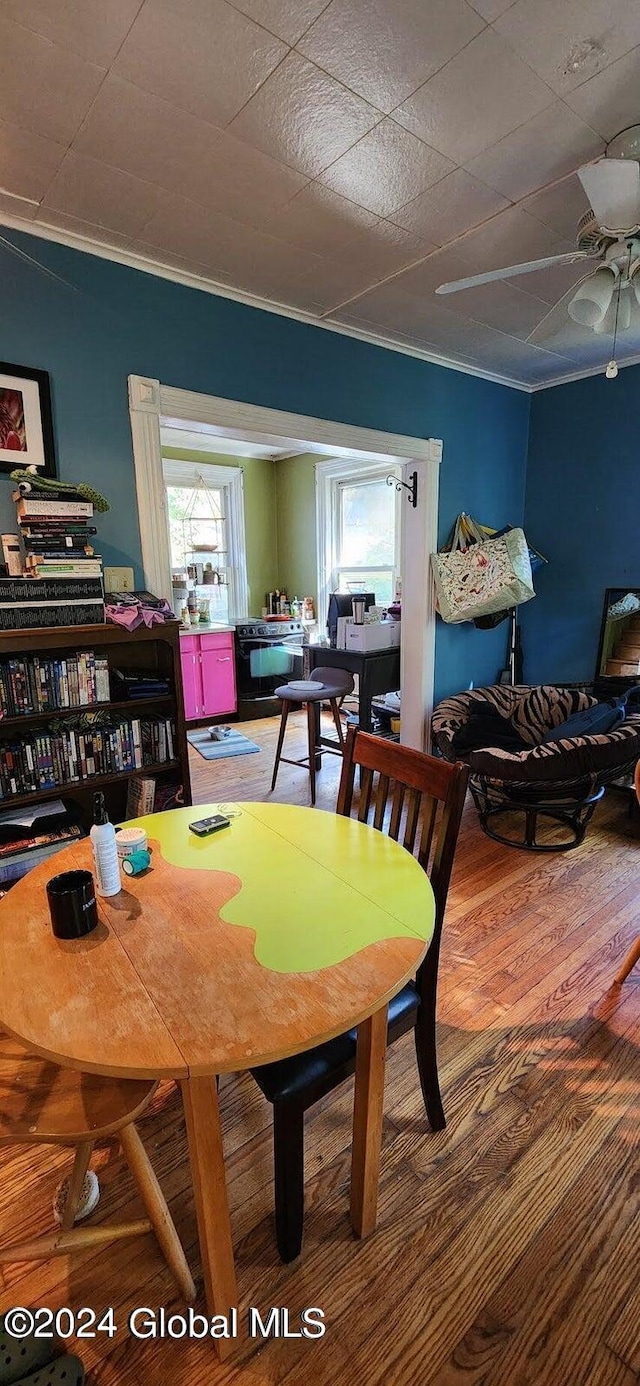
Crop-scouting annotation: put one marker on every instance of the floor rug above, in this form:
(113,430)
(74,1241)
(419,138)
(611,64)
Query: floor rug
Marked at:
(233,744)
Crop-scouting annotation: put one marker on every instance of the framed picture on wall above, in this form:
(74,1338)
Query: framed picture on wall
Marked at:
(26,426)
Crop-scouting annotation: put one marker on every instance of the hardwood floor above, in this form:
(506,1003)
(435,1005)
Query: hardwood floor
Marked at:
(507,1250)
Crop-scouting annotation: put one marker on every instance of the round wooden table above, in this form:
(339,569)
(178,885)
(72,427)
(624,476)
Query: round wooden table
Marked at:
(265,939)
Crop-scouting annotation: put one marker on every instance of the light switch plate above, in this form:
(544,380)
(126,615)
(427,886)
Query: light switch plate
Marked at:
(118,579)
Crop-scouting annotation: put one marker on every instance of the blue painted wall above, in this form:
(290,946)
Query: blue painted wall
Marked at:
(105,322)
(582,508)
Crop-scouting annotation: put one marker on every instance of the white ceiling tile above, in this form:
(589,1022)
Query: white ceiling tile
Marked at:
(91,28)
(106,196)
(610,102)
(500,305)
(386,169)
(157,142)
(17,207)
(27,161)
(320,220)
(248,258)
(201,54)
(186,265)
(44,88)
(47,216)
(551,284)
(510,238)
(304,117)
(386,48)
(559,206)
(451,207)
(481,95)
(286,18)
(551,35)
(519,361)
(491,9)
(384,249)
(440,268)
(552,144)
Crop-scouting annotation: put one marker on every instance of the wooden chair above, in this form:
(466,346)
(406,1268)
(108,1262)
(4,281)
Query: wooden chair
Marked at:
(336,684)
(41,1103)
(419,800)
(633,956)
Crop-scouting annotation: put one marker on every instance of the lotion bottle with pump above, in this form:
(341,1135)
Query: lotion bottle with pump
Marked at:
(105,850)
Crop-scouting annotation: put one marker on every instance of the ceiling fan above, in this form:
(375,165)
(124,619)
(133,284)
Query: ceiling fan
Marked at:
(607,299)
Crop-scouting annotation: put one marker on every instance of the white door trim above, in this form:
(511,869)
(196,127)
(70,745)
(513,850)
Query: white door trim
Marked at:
(150,402)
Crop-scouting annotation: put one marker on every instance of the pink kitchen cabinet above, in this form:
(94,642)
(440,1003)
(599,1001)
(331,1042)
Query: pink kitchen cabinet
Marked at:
(208,675)
(218,675)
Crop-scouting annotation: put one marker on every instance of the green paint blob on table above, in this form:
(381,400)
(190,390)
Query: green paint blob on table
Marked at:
(359,887)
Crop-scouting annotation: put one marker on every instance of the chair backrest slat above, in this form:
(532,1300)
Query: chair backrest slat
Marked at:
(426,807)
(366,786)
(412,819)
(382,792)
(429,816)
(396,810)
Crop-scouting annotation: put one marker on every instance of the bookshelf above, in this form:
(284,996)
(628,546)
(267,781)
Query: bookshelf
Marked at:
(154,651)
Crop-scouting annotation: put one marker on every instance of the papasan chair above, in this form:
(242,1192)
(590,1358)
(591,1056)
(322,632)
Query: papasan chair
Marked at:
(513,771)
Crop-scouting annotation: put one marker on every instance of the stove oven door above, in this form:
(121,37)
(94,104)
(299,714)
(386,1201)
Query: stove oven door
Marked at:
(263,664)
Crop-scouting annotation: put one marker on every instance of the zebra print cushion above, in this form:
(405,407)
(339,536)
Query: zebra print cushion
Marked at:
(545,707)
(532,711)
(576,758)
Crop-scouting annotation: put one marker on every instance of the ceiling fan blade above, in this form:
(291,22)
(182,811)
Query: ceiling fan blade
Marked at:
(613,189)
(511,271)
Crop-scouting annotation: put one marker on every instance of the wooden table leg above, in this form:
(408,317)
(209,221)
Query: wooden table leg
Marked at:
(367,1122)
(202,1115)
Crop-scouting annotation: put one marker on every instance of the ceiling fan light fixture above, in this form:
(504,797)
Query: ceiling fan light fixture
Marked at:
(592,298)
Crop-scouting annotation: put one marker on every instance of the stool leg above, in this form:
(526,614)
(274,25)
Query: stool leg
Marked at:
(283,722)
(630,961)
(156,1209)
(78,1173)
(336,718)
(311,730)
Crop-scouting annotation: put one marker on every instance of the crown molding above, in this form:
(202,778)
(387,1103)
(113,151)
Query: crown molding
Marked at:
(586,374)
(134,260)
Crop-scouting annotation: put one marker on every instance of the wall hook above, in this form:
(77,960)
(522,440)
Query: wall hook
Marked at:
(411,486)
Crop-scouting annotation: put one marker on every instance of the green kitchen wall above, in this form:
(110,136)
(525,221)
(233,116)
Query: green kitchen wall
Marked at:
(259,481)
(296,522)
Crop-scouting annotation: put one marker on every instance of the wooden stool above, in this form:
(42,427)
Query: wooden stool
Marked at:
(41,1103)
(336,684)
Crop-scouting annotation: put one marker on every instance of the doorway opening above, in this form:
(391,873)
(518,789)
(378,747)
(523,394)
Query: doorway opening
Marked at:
(306,452)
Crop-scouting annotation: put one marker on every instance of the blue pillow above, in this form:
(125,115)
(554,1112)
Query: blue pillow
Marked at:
(592,721)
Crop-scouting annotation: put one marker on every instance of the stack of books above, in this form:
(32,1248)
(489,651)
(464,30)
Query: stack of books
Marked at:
(61,583)
(69,754)
(57,534)
(28,837)
(34,683)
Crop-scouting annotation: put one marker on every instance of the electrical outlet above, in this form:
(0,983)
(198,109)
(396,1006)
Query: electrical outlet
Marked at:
(118,579)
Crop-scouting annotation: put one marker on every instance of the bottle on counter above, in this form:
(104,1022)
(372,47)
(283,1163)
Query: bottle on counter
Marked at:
(105,850)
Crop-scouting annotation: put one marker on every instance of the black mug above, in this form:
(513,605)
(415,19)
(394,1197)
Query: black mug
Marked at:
(72,904)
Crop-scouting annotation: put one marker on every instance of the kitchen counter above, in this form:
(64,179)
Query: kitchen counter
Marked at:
(208,628)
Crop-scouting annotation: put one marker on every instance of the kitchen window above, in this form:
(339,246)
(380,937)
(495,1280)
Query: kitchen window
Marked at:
(205,515)
(367,536)
(358,528)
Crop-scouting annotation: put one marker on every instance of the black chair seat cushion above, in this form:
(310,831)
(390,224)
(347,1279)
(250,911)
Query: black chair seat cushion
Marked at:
(292,1078)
